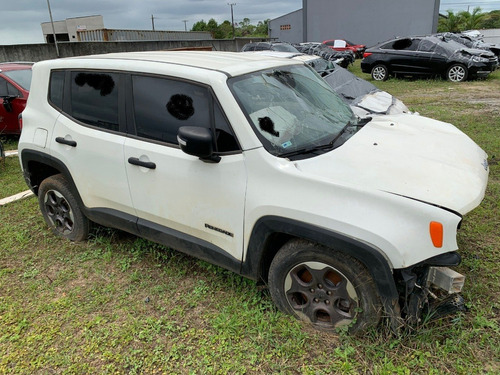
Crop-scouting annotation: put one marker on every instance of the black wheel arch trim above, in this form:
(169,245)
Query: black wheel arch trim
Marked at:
(28,156)
(265,227)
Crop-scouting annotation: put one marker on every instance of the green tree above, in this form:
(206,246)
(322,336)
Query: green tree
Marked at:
(213,27)
(262,28)
(491,20)
(471,21)
(246,28)
(452,22)
(199,26)
(226,30)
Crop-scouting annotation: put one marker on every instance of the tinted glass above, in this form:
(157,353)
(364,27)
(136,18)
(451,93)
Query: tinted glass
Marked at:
(162,106)
(3,87)
(94,99)
(225,139)
(402,44)
(284,48)
(6,89)
(21,77)
(427,46)
(56,88)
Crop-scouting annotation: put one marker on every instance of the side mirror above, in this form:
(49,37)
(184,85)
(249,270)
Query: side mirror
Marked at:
(198,142)
(7,103)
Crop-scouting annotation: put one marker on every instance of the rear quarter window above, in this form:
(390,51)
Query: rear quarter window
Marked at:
(56,89)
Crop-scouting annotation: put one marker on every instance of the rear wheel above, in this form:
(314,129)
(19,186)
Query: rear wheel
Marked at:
(324,287)
(457,73)
(61,210)
(380,72)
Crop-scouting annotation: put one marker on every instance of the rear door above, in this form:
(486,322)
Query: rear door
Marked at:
(89,135)
(406,57)
(175,193)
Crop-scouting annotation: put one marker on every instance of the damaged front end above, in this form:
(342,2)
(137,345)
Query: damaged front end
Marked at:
(430,289)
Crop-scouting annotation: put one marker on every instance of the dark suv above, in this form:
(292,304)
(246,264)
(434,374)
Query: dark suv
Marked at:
(427,56)
(15,81)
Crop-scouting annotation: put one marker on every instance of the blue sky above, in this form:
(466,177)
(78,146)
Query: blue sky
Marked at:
(20,19)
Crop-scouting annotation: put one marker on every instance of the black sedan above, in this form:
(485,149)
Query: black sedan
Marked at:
(429,56)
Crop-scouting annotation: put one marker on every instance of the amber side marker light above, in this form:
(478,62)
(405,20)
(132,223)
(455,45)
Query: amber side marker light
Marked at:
(436,232)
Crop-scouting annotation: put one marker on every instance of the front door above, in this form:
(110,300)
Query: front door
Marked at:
(174,191)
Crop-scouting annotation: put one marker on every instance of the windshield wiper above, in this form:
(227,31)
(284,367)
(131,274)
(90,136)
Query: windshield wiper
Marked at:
(331,144)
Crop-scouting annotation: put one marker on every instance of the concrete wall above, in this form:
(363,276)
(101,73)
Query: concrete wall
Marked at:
(38,52)
(368,22)
(287,28)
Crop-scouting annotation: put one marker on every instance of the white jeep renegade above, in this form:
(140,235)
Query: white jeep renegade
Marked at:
(255,164)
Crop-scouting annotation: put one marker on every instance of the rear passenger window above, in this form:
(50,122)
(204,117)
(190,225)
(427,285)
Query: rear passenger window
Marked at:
(56,89)
(405,44)
(94,99)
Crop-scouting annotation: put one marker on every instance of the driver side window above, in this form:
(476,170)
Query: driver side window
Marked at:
(163,105)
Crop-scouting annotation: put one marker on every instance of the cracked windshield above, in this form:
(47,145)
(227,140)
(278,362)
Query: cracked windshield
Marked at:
(292,110)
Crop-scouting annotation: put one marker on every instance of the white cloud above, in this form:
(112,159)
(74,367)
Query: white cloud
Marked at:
(20,20)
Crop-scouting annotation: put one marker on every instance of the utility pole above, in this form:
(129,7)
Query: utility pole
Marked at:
(53,29)
(153,22)
(185,27)
(232,16)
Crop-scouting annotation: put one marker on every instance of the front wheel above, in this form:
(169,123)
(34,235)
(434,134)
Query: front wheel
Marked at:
(324,287)
(61,210)
(456,73)
(380,72)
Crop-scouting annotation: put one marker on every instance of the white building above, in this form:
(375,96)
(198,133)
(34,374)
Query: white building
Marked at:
(66,31)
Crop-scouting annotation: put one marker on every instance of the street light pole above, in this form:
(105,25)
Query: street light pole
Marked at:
(232,16)
(185,27)
(53,29)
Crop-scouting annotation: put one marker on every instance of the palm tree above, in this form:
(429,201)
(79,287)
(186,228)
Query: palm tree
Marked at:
(451,22)
(471,21)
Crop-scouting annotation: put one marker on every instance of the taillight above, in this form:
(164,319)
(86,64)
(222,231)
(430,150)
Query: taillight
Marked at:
(20,121)
(366,54)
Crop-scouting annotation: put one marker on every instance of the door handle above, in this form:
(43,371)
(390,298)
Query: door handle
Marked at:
(140,163)
(66,141)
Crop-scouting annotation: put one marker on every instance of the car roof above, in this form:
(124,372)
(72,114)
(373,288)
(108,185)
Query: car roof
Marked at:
(7,66)
(283,55)
(229,63)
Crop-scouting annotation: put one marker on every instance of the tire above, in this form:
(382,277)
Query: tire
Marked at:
(324,287)
(457,73)
(380,72)
(61,210)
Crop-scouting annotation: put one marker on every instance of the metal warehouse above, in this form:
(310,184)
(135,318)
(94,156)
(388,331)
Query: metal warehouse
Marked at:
(361,21)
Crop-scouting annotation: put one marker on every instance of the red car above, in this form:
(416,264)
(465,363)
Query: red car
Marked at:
(15,81)
(345,45)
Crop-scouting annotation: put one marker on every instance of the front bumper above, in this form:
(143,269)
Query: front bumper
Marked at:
(429,288)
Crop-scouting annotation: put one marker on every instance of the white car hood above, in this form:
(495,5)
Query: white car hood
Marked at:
(412,156)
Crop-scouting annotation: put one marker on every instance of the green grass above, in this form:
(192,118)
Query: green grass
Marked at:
(9,142)
(119,304)
(11,177)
